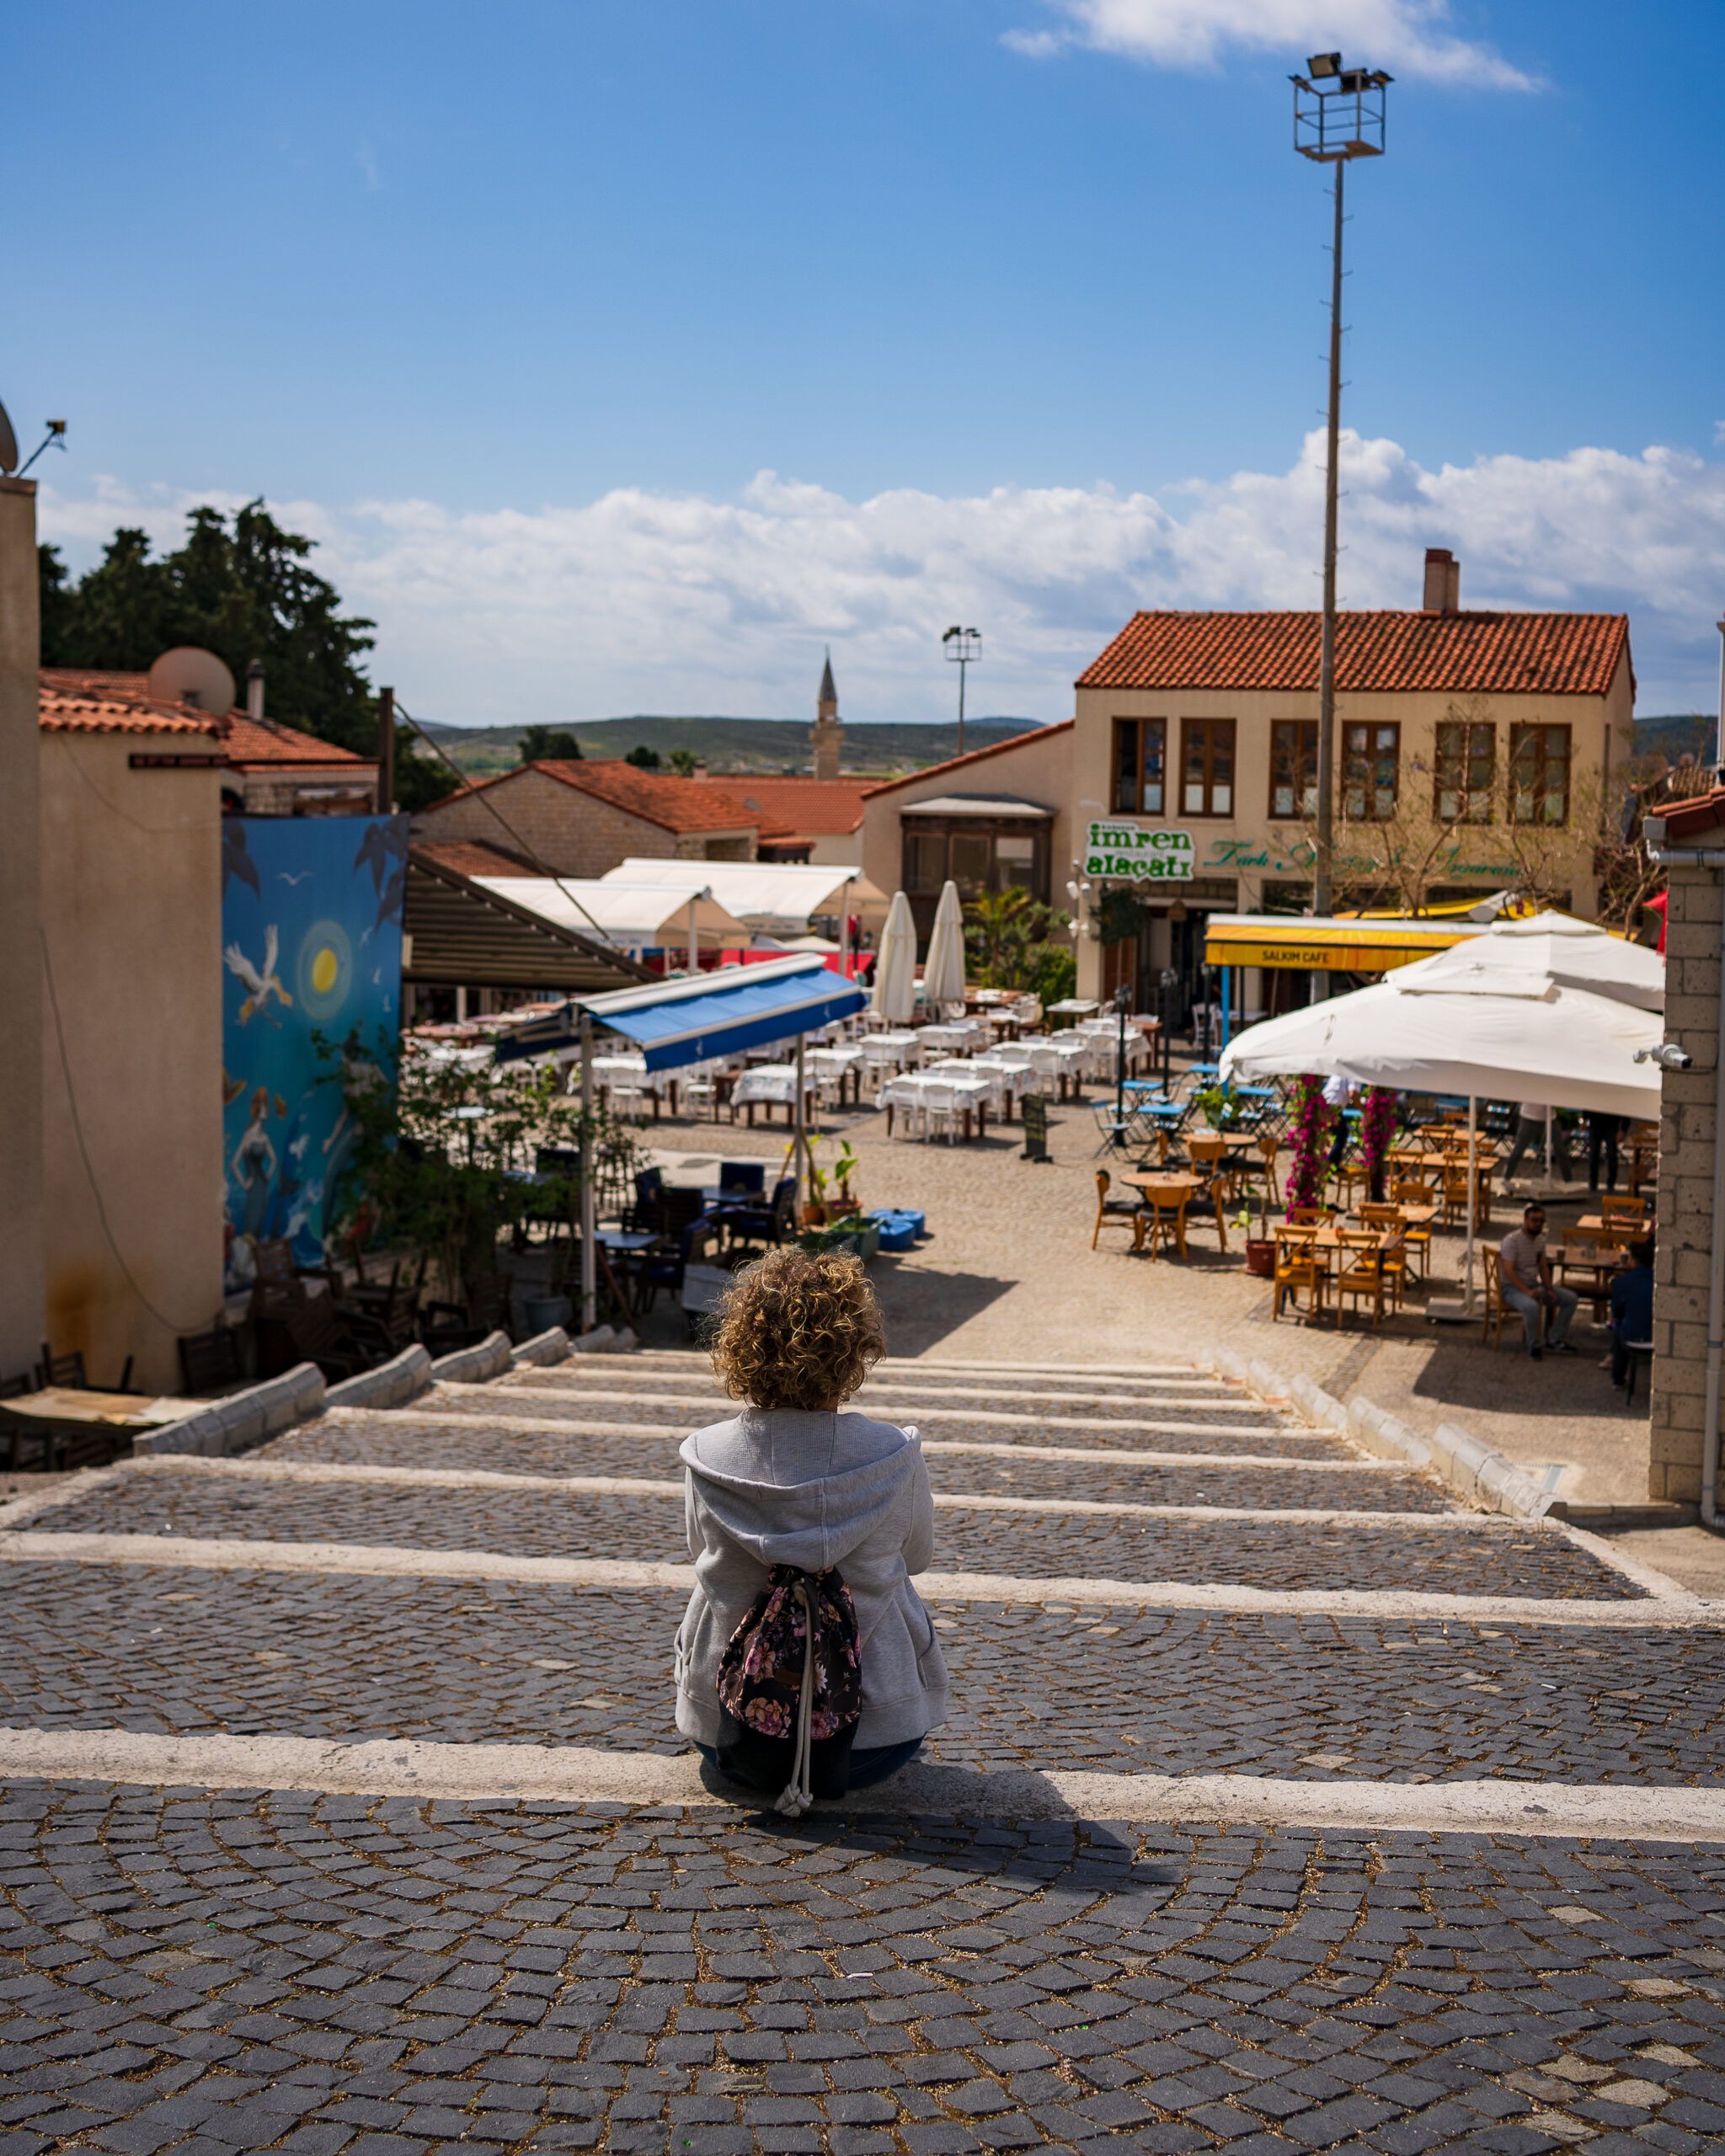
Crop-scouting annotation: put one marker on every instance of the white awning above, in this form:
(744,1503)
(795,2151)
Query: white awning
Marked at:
(633,915)
(779,896)
(977,804)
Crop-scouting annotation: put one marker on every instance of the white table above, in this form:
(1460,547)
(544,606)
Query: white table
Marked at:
(969,1096)
(1073,1006)
(957,1033)
(769,1085)
(838,1063)
(621,1075)
(1008,1081)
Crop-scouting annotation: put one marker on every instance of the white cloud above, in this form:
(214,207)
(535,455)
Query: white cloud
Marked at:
(641,601)
(1410,37)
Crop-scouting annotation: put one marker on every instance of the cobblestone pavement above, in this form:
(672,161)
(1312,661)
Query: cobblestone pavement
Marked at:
(584,1523)
(380,1442)
(320,1973)
(202,1969)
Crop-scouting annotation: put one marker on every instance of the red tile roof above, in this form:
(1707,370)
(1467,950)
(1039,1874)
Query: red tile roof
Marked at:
(266,744)
(974,756)
(99,700)
(1467,653)
(806,807)
(80,702)
(661,797)
(473,857)
(1693,818)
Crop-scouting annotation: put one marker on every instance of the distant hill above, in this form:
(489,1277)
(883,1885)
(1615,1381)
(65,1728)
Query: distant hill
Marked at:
(739,744)
(1675,736)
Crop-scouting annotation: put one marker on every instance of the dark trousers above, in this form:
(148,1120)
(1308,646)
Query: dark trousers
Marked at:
(869,1766)
(1602,1140)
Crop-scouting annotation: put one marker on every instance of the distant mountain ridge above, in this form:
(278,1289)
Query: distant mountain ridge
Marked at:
(886,746)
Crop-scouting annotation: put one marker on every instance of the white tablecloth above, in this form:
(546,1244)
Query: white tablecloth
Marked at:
(630,1074)
(775,1083)
(960,1033)
(912,1090)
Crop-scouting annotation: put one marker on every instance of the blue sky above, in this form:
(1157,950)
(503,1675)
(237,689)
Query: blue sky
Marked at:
(1019,300)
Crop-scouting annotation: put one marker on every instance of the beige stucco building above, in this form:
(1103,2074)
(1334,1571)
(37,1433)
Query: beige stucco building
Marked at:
(131,1033)
(997,817)
(1451,726)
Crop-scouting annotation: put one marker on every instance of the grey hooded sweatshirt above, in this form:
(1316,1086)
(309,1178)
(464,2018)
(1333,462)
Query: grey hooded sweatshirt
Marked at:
(787,1486)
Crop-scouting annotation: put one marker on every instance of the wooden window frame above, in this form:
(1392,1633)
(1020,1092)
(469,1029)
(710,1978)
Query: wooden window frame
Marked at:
(1305,757)
(1136,732)
(1210,732)
(1476,805)
(1538,735)
(1366,759)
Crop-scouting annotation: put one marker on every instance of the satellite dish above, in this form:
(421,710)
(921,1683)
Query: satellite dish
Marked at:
(188,675)
(8,445)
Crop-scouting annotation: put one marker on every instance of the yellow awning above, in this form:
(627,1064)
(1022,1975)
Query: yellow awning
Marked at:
(1355,946)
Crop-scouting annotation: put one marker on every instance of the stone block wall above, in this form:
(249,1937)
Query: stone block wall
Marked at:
(572,832)
(1685,1210)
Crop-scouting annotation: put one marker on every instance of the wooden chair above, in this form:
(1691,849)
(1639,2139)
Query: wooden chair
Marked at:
(68,1370)
(1310,1216)
(1621,1212)
(1360,1272)
(1166,1220)
(1268,1147)
(1496,1308)
(209,1362)
(1418,1242)
(1386,1219)
(1349,1175)
(1207,1152)
(1301,1267)
(1118,1212)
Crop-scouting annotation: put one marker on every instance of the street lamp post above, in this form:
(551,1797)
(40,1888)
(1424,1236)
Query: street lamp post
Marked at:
(1338,116)
(962,646)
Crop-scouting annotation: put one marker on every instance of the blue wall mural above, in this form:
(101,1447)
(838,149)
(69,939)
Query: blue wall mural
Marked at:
(311,933)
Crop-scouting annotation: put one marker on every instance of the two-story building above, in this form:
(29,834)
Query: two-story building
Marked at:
(1467,742)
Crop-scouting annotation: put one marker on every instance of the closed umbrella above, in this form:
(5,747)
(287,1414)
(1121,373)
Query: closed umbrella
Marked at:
(894,996)
(943,969)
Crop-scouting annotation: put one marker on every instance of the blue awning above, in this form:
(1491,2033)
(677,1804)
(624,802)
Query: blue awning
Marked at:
(719,1013)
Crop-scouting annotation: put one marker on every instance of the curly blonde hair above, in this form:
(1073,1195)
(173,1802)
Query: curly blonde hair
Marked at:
(797,1329)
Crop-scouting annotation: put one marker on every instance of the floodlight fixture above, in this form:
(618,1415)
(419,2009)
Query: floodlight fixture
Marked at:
(1323,65)
(962,646)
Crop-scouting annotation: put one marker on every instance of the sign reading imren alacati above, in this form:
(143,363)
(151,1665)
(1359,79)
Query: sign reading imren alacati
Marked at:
(1139,853)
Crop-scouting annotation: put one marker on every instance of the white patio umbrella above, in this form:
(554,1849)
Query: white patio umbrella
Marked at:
(1484,1034)
(894,996)
(1554,948)
(943,969)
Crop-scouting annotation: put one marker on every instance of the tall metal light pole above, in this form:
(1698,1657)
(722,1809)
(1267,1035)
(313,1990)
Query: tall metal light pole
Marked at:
(1338,115)
(962,646)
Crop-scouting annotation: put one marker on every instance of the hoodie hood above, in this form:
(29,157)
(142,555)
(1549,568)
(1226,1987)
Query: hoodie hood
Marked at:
(770,1479)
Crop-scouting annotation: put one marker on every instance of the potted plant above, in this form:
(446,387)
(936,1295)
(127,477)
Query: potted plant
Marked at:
(843,1169)
(1261,1248)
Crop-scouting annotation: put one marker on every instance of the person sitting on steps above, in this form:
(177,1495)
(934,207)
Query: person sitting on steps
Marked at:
(796,1480)
(1529,1288)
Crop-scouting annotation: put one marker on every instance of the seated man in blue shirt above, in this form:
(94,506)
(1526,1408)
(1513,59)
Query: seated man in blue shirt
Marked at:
(1632,1308)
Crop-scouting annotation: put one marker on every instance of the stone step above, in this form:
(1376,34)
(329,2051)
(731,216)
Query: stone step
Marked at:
(907,1379)
(1332,1479)
(644,1520)
(1110,1686)
(891,1403)
(484,1405)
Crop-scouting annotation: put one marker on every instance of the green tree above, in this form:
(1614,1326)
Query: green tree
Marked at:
(555,744)
(242,586)
(684,762)
(642,757)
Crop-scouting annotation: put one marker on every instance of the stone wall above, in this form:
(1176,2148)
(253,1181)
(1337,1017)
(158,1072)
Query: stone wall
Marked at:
(570,831)
(1686,1226)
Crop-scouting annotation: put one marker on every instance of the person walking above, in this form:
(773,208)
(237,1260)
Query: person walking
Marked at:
(1529,1288)
(1537,1130)
(797,1500)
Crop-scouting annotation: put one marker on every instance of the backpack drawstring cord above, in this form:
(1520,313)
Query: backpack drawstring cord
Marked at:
(798,1795)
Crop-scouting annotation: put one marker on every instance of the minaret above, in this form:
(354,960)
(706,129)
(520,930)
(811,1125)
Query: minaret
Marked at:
(826,729)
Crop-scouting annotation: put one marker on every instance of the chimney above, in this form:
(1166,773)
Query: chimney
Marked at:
(1442,582)
(254,687)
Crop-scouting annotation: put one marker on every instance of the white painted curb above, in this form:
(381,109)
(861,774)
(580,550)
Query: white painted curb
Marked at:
(243,1419)
(392,1383)
(1478,1470)
(489,1358)
(551,1346)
